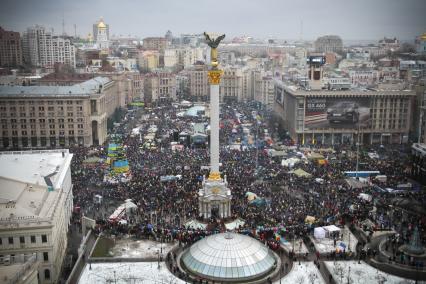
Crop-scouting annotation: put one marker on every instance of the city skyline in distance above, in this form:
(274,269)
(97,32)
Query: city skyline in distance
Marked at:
(307,19)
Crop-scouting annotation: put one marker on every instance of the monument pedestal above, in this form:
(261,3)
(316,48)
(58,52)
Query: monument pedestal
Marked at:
(214,199)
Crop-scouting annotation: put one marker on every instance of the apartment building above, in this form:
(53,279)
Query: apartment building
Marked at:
(42,49)
(10,48)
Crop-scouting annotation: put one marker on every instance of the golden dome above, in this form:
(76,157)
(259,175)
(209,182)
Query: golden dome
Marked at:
(101,24)
(423,36)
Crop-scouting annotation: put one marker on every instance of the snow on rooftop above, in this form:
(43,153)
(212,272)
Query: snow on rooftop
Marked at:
(24,180)
(32,166)
(86,88)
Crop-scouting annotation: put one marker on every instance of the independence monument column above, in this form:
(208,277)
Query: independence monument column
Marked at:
(214,197)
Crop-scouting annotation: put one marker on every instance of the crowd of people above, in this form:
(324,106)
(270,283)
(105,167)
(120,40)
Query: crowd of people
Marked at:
(165,206)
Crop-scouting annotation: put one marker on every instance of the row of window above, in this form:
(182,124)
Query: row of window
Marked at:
(11,240)
(58,102)
(33,126)
(41,114)
(5,133)
(33,141)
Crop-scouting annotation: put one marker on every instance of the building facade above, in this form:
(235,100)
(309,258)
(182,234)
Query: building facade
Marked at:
(36,203)
(231,85)
(148,60)
(42,49)
(159,86)
(154,43)
(363,76)
(56,116)
(329,43)
(264,90)
(198,84)
(10,48)
(336,117)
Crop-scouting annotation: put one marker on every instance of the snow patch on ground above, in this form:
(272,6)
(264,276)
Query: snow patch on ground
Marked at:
(361,273)
(128,248)
(303,273)
(127,272)
(299,246)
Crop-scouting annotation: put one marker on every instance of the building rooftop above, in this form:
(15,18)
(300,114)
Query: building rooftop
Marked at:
(354,92)
(86,88)
(31,183)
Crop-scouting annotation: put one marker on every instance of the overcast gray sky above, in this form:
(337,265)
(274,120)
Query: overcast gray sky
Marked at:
(352,20)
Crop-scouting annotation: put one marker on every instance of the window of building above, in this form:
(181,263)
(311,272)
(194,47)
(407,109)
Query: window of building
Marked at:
(10,240)
(44,238)
(47,274)
(45,256)
(22,239)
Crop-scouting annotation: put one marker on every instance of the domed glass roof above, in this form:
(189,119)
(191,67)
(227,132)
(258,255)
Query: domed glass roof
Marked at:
(229,257)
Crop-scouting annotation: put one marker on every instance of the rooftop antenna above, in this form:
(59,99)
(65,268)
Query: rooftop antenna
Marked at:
(63,23)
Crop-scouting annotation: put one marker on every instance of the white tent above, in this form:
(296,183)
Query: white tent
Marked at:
(130,206)
(319,233)
(366,197)
(331,230)
(326,231)
(290,162)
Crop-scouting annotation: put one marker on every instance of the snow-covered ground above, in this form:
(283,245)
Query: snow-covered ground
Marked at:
(326,245)
(127,272)
(361,273)
(141,248)
(299,246)
(305,272)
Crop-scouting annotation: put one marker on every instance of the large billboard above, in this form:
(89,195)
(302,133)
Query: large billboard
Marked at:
(336,113)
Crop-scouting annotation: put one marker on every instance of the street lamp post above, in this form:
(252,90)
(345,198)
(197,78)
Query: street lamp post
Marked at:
(357,151)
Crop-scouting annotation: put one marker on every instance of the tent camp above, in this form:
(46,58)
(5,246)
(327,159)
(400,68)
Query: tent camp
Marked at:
(366,197)
(290,162)
(274,153)
(185,103)
(301,173)
(326,232)
(193,224)
(251,196)
(315,156)
(309,219)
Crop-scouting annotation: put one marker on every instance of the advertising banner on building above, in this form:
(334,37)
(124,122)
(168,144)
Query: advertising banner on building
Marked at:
(336,112)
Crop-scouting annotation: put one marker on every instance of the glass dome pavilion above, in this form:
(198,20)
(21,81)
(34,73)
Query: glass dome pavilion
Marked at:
(229,257)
